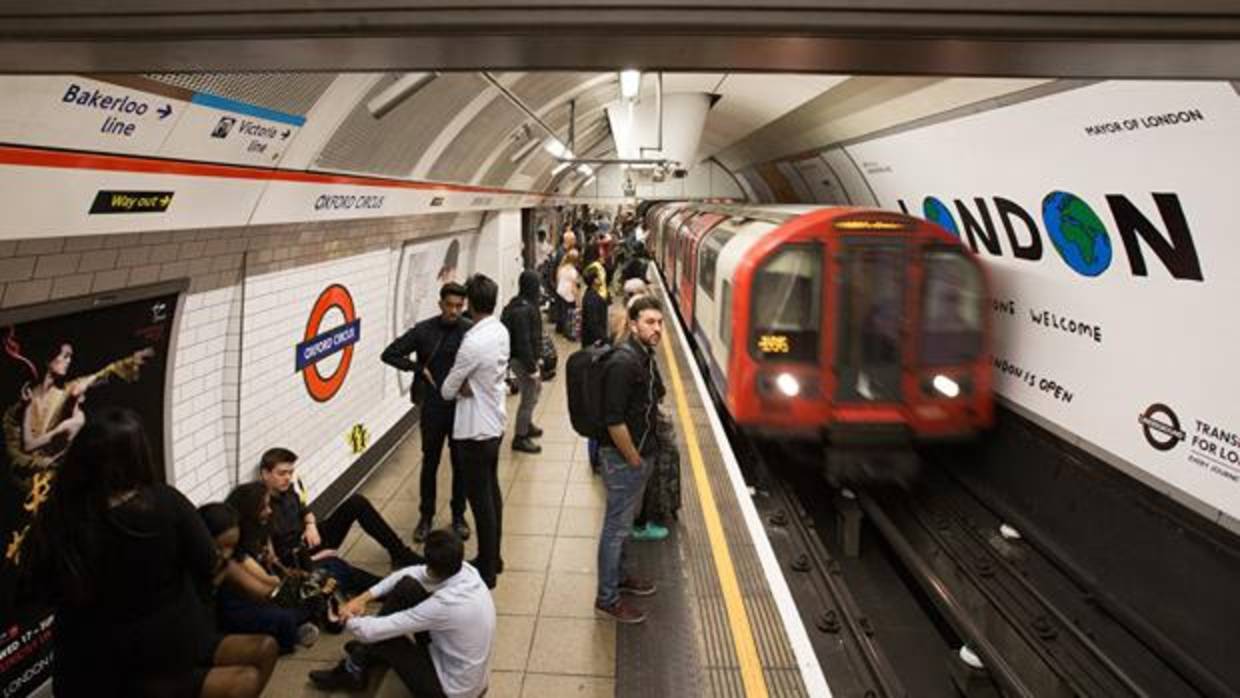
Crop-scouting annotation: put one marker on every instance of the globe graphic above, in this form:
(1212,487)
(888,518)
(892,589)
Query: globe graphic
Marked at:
(937,213)
(1077,233)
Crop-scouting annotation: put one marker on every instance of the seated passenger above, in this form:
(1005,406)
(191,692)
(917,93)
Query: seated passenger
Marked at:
(245,584)
(436,627)
(121,557)
(295,529)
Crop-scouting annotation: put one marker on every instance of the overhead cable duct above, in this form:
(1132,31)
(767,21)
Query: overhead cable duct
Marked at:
(519,104)
(396,93)
(658,101)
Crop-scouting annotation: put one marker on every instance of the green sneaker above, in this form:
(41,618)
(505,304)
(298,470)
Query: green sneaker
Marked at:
(652,531)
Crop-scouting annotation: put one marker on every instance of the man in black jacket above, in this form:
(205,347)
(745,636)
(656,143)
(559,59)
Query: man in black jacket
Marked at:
(434,342)
(524,324)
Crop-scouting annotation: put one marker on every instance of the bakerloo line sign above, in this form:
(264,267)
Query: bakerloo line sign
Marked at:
(1075,230)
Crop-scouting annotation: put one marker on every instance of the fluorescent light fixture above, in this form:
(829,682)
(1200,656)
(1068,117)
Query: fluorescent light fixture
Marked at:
(788,384)
(556,148)
(588,180)
(524,150)
(630,83)
(560,168)
(585,169)
(397,93)
(945,385)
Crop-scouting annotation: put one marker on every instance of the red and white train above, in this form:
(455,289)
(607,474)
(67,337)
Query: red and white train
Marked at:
(843,326)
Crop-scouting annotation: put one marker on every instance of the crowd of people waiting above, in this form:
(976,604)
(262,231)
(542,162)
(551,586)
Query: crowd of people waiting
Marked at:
(156,598)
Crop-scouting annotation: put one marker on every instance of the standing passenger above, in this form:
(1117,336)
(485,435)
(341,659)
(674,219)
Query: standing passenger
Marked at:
(476,382)
(632,389)
(434,342)
(524,325)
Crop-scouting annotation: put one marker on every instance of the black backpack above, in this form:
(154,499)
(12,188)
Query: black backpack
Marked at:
(585,372)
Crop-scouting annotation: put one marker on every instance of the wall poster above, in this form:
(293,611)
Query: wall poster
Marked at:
(60,363)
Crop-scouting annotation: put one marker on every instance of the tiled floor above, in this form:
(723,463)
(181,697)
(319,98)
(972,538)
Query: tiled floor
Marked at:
(548,642)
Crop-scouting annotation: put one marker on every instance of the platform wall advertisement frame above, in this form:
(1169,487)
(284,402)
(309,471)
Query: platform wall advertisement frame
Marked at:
(61,362)
(1105,215)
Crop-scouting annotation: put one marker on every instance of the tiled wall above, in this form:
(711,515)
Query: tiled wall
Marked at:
(208,358)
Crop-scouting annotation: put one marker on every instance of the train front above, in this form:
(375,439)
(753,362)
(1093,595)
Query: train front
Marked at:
(868,331)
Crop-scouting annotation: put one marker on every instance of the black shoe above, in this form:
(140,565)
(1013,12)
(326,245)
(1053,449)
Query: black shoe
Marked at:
(499,566)
(525,445)
(338,678)
(423,530)
(461,528)
(534,431)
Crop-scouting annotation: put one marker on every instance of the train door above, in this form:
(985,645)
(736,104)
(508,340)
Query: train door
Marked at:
(697,229)
(870,319)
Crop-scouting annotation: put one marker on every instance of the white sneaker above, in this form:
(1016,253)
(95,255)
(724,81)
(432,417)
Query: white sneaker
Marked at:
(307,634)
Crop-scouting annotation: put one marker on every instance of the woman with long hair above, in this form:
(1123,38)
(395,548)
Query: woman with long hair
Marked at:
(254,575)
(567,281)
(120,558)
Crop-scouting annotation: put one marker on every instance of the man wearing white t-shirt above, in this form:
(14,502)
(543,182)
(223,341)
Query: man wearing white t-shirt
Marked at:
(436,629)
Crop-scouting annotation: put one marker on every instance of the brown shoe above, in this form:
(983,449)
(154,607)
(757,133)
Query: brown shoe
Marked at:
(636,586)
(621,613)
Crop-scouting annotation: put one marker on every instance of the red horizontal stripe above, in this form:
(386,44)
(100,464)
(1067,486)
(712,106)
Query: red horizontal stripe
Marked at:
(77,160)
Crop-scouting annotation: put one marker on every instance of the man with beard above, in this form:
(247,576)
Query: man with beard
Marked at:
(435,342)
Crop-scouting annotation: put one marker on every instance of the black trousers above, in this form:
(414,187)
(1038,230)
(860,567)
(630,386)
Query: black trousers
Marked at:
(410,660)
(436,428)
(480,471)
(358,509)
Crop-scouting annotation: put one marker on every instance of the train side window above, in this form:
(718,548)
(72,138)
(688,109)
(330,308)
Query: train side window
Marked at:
(725,314)
(786,307)
(952,308)
(708,258)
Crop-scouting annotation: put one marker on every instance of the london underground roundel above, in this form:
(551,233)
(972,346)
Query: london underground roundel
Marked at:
(319,342)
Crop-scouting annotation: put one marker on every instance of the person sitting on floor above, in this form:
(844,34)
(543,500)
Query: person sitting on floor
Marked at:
(294,527)
(250,575)
(436,627)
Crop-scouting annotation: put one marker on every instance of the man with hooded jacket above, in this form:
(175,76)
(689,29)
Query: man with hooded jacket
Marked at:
(521,317)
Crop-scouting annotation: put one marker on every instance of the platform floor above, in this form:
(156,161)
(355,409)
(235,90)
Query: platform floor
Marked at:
(549,641)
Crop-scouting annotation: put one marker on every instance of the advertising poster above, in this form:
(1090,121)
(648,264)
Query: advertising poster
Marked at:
(1106,218)
(425,266)
(54,373)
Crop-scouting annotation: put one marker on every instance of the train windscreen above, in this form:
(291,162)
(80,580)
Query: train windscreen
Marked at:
(951,313)
(786,313)
(871,319)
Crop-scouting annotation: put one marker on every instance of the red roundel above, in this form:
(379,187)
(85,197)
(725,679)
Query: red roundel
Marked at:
(323,388)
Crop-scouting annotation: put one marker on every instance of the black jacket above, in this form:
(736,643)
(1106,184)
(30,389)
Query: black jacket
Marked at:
(632,390)
(524,323)
(593,318)
(435,344)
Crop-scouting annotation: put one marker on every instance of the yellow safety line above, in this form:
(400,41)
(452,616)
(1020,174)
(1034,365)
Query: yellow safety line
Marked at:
(738,618)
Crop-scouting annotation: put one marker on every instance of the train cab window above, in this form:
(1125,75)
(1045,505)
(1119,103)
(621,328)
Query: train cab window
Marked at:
(786,308)
(952,307)
(708,258)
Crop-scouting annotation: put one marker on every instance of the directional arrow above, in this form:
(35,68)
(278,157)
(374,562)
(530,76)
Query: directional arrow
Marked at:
(286,133)
(164,111)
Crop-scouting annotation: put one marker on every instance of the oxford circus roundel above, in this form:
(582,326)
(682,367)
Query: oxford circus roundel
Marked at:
(319,343)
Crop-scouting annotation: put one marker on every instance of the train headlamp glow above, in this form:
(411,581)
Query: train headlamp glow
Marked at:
(946,386)
(788,384)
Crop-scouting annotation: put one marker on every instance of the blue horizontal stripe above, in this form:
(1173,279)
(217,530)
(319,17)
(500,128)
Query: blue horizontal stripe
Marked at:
(320,347)
(232,105)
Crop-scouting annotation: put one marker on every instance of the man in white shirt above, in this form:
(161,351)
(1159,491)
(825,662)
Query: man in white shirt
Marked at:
(436,628)
(476,382)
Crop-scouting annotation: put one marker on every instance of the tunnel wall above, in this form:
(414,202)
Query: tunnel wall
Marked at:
(1103,214)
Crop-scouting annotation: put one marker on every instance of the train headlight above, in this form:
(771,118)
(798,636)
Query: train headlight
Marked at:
(946,386)
(788,384)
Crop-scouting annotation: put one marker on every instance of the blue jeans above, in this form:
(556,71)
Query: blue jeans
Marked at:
(625,487)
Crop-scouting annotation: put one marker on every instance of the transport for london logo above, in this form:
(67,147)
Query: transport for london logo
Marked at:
(318,344)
